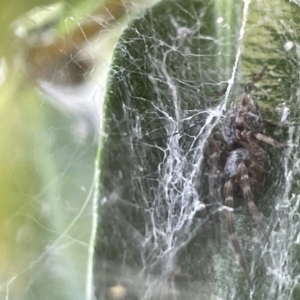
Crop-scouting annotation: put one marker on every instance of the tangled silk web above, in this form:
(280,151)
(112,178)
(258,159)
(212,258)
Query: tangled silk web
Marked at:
(160,117)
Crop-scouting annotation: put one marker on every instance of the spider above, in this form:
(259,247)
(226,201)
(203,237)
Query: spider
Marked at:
(241,158)
(236,164)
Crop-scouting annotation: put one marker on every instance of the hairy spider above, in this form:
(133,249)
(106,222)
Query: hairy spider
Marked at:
(235,164)
(240,159)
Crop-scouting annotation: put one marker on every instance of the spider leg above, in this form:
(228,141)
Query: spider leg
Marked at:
(252,147)
(254,79)
(228,194)
(246,96)
(245,183)
(248,134)
(268,140)
(247,140)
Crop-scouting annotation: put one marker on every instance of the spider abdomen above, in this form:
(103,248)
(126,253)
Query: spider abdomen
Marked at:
(234,159)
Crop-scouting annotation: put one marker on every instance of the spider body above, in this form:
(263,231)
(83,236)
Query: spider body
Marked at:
(241,160)
(252,121)
(235,158)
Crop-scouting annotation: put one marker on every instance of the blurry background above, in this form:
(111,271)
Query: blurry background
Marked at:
(54,58)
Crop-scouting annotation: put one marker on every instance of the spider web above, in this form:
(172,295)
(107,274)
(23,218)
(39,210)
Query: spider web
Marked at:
(152,243)
(164,73)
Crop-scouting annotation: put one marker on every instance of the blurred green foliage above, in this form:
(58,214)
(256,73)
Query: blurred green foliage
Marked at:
(46,179)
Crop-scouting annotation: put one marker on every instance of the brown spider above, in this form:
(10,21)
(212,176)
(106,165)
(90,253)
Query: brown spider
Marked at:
(242,163)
